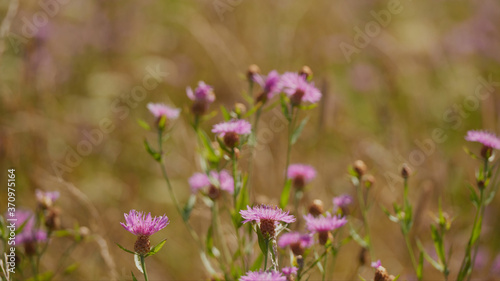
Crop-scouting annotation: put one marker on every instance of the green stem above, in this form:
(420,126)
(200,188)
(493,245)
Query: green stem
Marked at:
(291,127)
(407,225)
(34,268)
(235,179)
(410,251)
(324,266)
(327,249)
(143,265)
(266,254)
(217,229)
(362,207)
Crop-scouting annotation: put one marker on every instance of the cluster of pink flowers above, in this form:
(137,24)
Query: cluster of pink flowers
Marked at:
(301,174)
(213,182)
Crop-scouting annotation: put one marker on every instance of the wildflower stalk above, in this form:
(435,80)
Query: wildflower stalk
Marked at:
(34,268)
(235,179)
(406,226)
(362,207)
(324,265)
(143,265)
(291,127)
(266,254)
(218,231)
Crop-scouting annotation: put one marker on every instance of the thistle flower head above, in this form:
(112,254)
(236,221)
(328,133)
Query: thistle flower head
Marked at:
(298,89)
(287,271)
(46,199)
(324,223)
(159,110)
(140,224)
(267,217)
(301,174)
(486,138)
(263,276)
(221,180)
(28,234)
(298,242)
(203,93)
(270,84)
(232,130)
(342,201)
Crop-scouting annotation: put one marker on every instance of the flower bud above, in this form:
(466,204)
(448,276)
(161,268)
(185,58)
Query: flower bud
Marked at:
(240,109)
(142,246)
(53,220)
(253,70)
(486,152)
(316,208)
(405,171)
(296,98)
(231,139)
(306,72)
(324,236)
(381,274)
(369,181)
(362,256)
(360,168)
(213,192)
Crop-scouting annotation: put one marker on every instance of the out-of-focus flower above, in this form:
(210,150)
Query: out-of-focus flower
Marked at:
(202,97)
(298,89)
(159,110)
(29,235)
(298,242)
(301,174)
(342,201)
(289,271)
(486,138)
(316,208)
(263,276)
(267,217)
(270,85)
(376,264)
(323,225)
(216,181)
(143,226)
(46,199)
(232,130)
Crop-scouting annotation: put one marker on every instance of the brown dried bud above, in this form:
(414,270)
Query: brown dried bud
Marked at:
(369,181)
(359,167)
(306,72)
(253,69)
(199,107)
(480,184)
(381,274)
(142,246)
(299,182)
(297,248)
(53,220)
(213,192)
(316,208)
(362,256)
(231,139)
(262,97)
(324,236)
(267,228)
(405,171)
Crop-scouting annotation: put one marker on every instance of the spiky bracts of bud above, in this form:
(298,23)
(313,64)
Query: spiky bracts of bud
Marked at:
(142,245)
(405,171)
(268,217)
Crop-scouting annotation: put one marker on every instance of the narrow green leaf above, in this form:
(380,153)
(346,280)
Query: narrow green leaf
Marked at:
(123,248)
(438,243)
(357,238)
(433,262)
(298,130)
(474,156)
(284,108)
(420,266)
(476,231)
(397,277)
(70,268)
(225,113)
(186,211)
(144,124)
(285,194)
(156,248)
(137,262)
(264,247)
(209,241)
(308,107)
(154,154)
(133,276)
(257,264)
(253,110)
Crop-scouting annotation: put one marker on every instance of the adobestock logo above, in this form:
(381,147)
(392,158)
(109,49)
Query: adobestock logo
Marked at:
(363,37)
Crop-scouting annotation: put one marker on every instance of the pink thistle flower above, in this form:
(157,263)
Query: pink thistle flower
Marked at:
(323,225)
(270,85)
(376,264)
(287,271)
(342,201)
(268,217)
(263,276)
(232,130)
(139,224)
(203,92)
(143,226)
(46,199)
(301,174)
(216,181)
(28,236)
(297,242)
(160,109)
(298,89)
(486,138)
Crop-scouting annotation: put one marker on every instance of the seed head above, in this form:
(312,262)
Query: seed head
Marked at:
(316,208)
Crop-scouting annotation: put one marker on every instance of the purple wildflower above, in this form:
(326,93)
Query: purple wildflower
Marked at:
(28,236)
(263,276)
(270,85)
(141,225)
(287,271)
(486,138)
(160,109)
(342,201)
(46,199)
(203,92)
(268,217)
(217,180)
(232,130)
(323,225)
(298,89)
(298,242)
(376,264)
(301,174)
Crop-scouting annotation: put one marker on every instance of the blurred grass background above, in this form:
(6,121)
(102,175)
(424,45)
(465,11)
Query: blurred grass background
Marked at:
(75,70)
